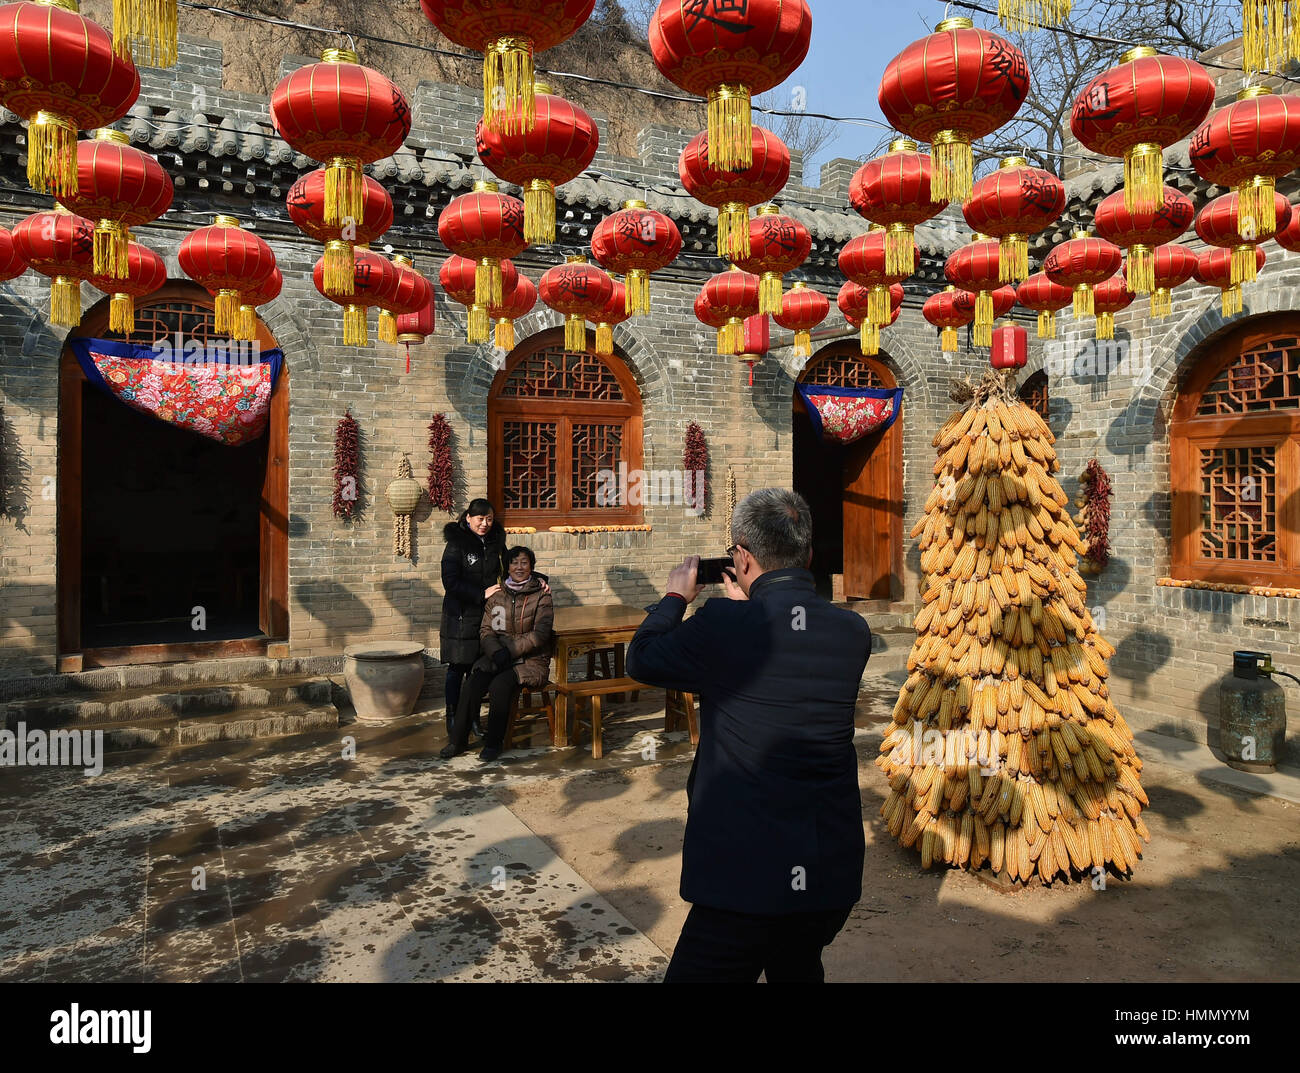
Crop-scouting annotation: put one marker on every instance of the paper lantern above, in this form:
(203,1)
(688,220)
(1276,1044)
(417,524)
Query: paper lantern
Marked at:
(710,317)
(1221,224)
(733,192)
(266,292)
(1011,204)
(147,31)
(726,50)
(344,115)
(60,245)
(1010,347)
(895,191)
(733,297)
(578,290)
(414,328)
(755,339)
(856,303)
(410,294)
(1003,299)
(863,261)
(306,204)
(227,260)
(509,34)
(458,276)
(1081,264)
(375,282)
(1141,232)
(614,313)
(145,273)
(1171,267)
(1046,299)
(777,244)
(519,303)
(1136,110)
(802,309)
(941,311)
(486,226)
(977,268)
(1288,235)
(1216,268)
(1111,297)
(953,87)
(11,263)
(559,147)
(58,71)
(636,241)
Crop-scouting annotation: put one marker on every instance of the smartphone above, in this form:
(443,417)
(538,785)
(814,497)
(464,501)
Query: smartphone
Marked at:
(710,571)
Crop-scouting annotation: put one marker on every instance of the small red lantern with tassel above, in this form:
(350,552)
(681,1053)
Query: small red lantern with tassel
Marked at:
(895,191)
(458,276)
(856,303)
(266,293)
(733,297)
(1221,224)
(1172,266)
(145,273)
(375,282)
(614,313)
(977,268)
(1046,299)
(802,309)
(306,204)
(1288,236)
(755,340)
(228,261)
(519,303)
(732,193)
(414,328)
(1081,264)
(1141,232)
(486,226)
(1003,299)
(1111,297)
(777,244)
(60,245)
(580,291)
(636,241)
(410,295)
(1215,268)
(941,311)
(1011,204)
(1010,347)
(863,260)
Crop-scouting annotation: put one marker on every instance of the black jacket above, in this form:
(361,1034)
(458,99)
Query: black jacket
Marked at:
(470,565)
(773,801)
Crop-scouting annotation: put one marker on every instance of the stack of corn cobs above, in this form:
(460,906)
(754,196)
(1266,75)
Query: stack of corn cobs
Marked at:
(1005,747)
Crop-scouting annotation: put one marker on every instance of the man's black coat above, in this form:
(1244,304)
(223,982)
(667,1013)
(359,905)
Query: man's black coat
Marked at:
(774,821)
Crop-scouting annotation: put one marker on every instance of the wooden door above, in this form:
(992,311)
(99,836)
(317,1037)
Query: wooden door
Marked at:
(273,527)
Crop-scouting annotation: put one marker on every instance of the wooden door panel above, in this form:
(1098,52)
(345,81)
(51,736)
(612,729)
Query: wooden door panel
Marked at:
(873,512)
(273,527)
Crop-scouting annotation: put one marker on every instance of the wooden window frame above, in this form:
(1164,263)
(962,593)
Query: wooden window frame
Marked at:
(1029,390)
(1189,433)
(564,413)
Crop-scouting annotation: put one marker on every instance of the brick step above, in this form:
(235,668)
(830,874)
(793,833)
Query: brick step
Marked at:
(147,704)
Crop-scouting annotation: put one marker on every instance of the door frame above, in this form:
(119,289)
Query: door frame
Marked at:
(273,554)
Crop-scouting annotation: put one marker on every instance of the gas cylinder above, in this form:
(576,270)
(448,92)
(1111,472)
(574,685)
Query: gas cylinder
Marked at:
(1252,713)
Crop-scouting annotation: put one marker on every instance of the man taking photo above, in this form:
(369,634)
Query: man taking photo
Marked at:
(772,857)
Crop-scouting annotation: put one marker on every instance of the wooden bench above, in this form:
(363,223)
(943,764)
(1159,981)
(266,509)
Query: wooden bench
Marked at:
(679,706)
(594,692)
(524,712)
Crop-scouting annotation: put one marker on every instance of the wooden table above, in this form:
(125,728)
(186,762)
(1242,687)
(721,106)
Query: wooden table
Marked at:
(579,630)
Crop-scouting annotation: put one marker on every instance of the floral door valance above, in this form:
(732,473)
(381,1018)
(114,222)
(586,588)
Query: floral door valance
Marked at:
(845,415)
(224,400)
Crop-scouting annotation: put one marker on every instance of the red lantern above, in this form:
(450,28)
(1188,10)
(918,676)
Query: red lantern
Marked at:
(951,88)
(1172,266)
(458,277)
(267,292)
(777,244)
(306,204)
(1216,268)
(863,261)
(802,309)
(11,263)
(1137,109)
(733,192)
(708,316)
(560,146)
(1141,232)
(228,261)
(1016,201)
(580,291)
(518,304)
(146,31)
(636,241)
(894,191)
(1010,346)
(1250,145)
(375,282)
(58,71)
(1110,298)
(59,245)
(1288,236)
(345,116)
(1220,224)
(1004,301)
(977,268)
(414,328)
(855,302)
(755,339)
(1046,299)
(410,295)
(145,273)
(725,50)
(120,187)
(1081,264)
(615,312)
(941,311)
(731,296)
(488,227)
(509,34)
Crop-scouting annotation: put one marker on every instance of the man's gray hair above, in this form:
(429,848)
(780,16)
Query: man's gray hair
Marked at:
(775,526)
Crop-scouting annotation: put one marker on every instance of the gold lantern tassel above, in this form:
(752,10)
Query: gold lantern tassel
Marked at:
(52,155)
(387,326)
(1263,24)
(507,83)
(504,336)
(900,250)
(604,338)
(731,131)
(803,343)
(1021,15)
(733,231)
(145,31)
(1141,270)
(121,314)
(247,323)
(636,292)
(344,192)
(111,247)
(1105,326)
(488,283)
(722,340)
(1232,300)
(770,293)
(575,334)
(1244,268)
(65,301)
(539,212)
(340,269)
(880,307)
(733,336)
(1084,301)
(1047,324)
(355,332)
(954,167)
(225,317)
(983,334)
(1255,200)
(948,340)
(1013,259)
(479,321)
(1162,303)
(1144,177)
(869,338)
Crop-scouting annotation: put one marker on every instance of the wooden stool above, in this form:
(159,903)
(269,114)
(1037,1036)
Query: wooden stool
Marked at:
(595,692)
(523,712)
(680,705)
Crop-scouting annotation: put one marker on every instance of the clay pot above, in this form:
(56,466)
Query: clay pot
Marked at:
(384,679)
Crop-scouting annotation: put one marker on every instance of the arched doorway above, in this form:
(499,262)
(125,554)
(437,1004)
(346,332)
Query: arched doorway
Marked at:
(855,492)
(156,522)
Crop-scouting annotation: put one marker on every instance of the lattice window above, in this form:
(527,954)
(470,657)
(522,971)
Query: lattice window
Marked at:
(843,370)
(596,451)
(166,319)
(557,374)
(529,460)
(1263,379)
(1034,394)
(1239,504)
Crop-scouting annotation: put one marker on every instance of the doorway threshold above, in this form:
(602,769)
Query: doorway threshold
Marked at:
(166,653)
